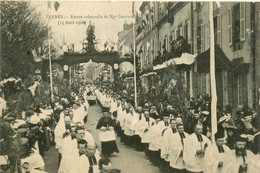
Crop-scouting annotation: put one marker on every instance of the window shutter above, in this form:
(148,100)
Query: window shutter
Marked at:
(195,83)
(230,30)
(229,88)
(194,6)
(235,90)
(202,38)
(244,89)
(195,42)
(219,25)
(242,20)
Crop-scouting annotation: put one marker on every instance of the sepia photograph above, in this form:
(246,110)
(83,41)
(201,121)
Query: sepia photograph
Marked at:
(129,86)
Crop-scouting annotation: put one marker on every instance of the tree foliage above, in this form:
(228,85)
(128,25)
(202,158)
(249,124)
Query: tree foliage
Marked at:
(91,37)
(21,31)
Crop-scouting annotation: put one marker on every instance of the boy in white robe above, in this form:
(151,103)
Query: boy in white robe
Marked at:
(137,126)
(176,146)
(166,136)
(146,124)
(128,126)
(155,134)
(60,129)
(194,151)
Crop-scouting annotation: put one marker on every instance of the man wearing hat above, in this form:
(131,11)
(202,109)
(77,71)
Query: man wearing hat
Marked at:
(244,160)
(191,121)
(218,156)
(153,113)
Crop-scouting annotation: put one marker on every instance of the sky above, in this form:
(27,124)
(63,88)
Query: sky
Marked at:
(70,21)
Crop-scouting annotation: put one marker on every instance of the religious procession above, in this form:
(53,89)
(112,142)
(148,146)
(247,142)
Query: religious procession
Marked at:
(129,87)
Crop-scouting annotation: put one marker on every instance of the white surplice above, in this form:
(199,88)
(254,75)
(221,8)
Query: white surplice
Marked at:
(213,158)
(128,124)
(161,126)
(154,136)
(251,160)
(107,135)
(165,138)
(59,131)
(146,125)
(193,162)
(82,165)
(175,148)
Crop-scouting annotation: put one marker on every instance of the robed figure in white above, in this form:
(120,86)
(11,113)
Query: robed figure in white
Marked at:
(194,151)
(244,160)
(88,162)
(176,146)
(218,157)
(107,136)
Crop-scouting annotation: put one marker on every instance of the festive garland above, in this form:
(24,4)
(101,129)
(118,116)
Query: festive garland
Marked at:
(11,79)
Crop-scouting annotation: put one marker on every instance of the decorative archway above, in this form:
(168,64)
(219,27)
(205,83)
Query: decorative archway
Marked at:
(107,57)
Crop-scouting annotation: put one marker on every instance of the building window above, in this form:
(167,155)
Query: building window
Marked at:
(142,60)
(148,52)
(167,43)
(198,7)
(219,26)
(203,86)
(230,33)
(202,38)
(229,88)
(195,46)
(239,90)
(173,35)
(217,29)
(145,55)
(186,32)
(178,33)
(242,20)
(180,30)
(236,27)
(198,39)
(188,80)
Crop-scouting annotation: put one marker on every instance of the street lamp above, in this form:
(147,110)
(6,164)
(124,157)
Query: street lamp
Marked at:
(115,66)
(65,67)
(85,45)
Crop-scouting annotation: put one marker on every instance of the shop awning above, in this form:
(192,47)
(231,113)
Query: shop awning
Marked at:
(221,61)
(186,59)
(242,68)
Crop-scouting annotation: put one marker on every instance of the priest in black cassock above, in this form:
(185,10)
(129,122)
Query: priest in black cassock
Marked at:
(107,134)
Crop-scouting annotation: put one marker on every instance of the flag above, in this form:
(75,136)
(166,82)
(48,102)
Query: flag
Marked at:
(218,4)
(35,56)
(133,8)
(56,5)
(49,4)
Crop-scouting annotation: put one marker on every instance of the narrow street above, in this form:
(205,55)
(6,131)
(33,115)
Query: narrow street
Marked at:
(128,160)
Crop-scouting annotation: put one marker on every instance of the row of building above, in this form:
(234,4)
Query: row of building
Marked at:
(167,31)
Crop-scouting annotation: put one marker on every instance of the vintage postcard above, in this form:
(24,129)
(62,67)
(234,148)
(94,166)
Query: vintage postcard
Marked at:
(129,86)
